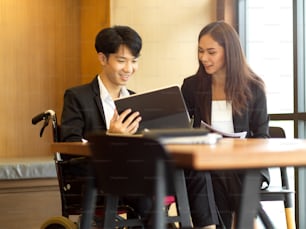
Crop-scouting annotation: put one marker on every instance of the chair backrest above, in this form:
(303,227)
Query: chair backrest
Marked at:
(276,132)
(128,165)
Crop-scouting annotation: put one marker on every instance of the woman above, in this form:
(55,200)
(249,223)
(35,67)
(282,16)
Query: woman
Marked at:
(228,95)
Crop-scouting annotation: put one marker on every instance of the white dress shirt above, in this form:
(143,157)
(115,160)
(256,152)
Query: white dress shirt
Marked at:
(107,101)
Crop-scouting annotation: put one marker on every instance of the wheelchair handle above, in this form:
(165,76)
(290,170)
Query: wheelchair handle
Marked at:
(42,116)
(47,115)
(38,118)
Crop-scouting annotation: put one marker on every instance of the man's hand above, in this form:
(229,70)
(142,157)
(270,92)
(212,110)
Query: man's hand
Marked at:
(125,123)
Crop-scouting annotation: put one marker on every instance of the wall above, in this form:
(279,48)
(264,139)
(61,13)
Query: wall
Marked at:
(169,30)
(46,47)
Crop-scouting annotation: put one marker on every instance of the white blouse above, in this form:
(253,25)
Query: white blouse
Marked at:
(221,116)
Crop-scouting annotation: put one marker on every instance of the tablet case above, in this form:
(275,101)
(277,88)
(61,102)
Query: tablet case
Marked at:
(159,109)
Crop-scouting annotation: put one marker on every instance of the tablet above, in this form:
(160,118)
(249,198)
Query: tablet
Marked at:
(159,109)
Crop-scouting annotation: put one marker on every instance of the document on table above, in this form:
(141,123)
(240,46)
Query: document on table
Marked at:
(224,134)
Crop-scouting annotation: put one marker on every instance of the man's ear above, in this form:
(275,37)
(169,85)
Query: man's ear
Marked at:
(102,58)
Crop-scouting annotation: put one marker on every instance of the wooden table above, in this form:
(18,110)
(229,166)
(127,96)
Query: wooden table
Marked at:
(248,154)
(227,154)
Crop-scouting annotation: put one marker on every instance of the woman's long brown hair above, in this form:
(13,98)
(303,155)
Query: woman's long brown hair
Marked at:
(239,76)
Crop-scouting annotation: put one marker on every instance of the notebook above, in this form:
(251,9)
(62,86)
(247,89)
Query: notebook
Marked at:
(159,109)
(183,136)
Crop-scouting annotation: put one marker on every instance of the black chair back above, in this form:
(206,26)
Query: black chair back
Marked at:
(129,166)
(277,132)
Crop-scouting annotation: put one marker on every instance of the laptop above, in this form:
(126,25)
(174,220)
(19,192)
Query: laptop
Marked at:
(162,108)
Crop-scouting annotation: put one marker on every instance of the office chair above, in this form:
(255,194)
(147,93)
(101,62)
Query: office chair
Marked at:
(284,194)
(140,167)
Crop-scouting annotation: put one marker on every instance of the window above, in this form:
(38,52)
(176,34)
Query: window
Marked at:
(273,35)
(268,43)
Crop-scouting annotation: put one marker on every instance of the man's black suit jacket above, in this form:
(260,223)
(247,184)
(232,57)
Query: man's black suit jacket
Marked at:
(82,112)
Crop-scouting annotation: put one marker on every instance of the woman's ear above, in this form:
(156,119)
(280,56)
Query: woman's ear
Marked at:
(102,58)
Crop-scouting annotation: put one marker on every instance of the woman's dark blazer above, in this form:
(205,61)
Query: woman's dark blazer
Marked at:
(254,119)
(82,112)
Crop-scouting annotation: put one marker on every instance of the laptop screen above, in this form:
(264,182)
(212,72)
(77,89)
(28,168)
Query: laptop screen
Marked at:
(160,109)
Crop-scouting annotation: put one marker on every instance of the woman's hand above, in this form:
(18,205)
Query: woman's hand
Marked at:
(125,123)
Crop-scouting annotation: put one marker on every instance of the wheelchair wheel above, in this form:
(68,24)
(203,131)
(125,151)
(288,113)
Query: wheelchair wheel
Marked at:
(58,222)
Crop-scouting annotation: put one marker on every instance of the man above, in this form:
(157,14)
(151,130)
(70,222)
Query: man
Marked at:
(90,107)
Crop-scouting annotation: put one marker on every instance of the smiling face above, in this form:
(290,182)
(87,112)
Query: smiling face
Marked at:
(118,67)
(211,55)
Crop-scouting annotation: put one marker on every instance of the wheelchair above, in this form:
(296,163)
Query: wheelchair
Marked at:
(73,173)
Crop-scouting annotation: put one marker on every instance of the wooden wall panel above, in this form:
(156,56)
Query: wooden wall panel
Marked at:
(95,15)
(39,58)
